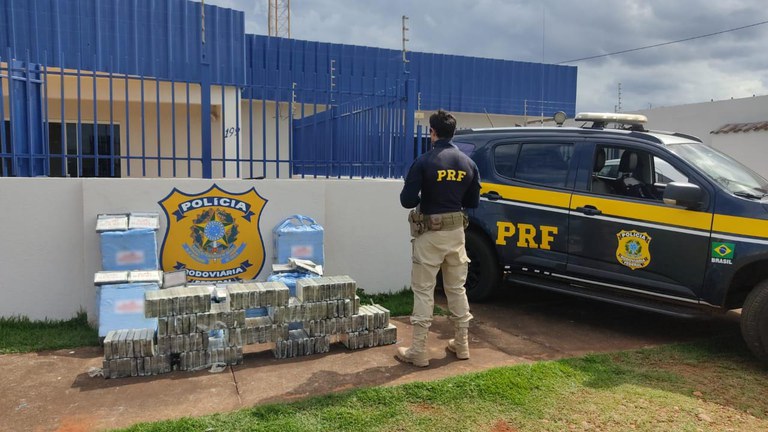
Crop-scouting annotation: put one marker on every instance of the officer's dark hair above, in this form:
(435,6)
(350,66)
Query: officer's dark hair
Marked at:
(443,123)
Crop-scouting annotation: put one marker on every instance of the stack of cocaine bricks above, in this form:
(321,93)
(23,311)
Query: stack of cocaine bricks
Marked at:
(191,329)
(338,294)
(372,328)
(260,330)
(324,306)
(252,295)
(330,310)
(132,352)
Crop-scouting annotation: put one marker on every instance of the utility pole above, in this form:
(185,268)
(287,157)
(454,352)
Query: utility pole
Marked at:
(279,18)
(332,73)
(618,106)
(405,39)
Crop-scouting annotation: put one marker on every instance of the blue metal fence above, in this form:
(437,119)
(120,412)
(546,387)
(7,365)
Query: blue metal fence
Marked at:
(79,123)
(168,88)
(168,39)
(76,123)
(455,83)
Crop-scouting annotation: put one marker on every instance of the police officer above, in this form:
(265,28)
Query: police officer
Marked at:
(441,183)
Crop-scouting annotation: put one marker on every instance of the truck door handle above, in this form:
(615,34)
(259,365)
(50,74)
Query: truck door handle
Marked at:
(492,195)
(589,210)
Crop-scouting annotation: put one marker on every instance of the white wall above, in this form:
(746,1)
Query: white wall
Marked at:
(42,258)
(748,148)
(702,118)
(51,248)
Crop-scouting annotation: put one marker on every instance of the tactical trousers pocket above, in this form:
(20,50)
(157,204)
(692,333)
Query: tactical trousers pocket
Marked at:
(425,251)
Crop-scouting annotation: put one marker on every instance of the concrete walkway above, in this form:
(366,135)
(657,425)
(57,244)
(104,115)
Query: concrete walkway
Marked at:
(52,391)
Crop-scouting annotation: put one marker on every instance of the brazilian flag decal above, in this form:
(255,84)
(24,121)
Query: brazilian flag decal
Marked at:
(723,250)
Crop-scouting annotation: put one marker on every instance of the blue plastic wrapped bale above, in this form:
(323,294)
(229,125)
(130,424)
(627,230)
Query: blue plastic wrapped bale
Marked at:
(121,306)
(298,237)
(129,250)
(289,279)
(256,312)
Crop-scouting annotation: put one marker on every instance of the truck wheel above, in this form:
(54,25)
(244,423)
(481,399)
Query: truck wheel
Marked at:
(754,320)
(484,274)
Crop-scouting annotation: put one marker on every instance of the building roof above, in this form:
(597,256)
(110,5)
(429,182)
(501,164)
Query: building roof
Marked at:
(741,127)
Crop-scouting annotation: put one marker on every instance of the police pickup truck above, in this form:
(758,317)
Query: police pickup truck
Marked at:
(689,241)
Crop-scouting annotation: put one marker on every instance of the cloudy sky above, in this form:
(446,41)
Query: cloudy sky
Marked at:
(731,64)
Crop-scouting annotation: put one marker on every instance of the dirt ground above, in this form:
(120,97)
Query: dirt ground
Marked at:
(52,391)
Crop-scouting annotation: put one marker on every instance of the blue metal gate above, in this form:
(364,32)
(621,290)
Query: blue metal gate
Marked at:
(372,136)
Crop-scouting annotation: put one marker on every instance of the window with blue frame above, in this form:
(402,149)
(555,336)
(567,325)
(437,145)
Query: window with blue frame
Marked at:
(95,154)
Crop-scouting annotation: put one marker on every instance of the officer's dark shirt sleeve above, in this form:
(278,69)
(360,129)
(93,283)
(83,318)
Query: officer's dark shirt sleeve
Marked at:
(409,196)
(471,197)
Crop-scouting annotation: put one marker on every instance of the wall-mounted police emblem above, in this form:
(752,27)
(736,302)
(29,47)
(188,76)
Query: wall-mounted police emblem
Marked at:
(214,235)
(633,250)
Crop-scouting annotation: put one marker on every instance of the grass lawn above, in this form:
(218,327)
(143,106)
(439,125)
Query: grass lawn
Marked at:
(713,385)
(20,335)
(399,303)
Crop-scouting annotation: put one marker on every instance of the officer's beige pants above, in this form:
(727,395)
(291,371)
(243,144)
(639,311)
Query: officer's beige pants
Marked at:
(432,251)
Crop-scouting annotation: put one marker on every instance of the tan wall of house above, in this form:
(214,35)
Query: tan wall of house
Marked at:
(239,128)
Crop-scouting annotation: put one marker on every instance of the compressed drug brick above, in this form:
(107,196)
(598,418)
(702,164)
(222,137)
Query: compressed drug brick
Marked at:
(299,343)
(251,295)
(370,338)
(325,288)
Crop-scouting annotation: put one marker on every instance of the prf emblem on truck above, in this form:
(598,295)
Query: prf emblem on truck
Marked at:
(528,236)
(633,250)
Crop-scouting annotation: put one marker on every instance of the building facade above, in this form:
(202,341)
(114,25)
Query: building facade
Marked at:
(150,88)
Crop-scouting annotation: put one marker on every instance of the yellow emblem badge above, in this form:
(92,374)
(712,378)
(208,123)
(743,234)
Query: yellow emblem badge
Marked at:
(214,235)
(633,250)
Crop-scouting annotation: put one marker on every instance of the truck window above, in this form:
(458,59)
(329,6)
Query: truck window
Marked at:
(664,172)
(466,148)
(545,164)
(632,173)
(505,159)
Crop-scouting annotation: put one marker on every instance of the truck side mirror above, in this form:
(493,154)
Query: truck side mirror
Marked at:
(681,194)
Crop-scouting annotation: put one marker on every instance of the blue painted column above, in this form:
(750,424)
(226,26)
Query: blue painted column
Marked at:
(205,101)
(205,121)
(27,119)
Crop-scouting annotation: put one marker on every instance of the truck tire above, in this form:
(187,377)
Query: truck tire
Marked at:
(484,274)
(754,321)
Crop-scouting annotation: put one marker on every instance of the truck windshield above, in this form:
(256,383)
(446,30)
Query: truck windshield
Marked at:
(726,171)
